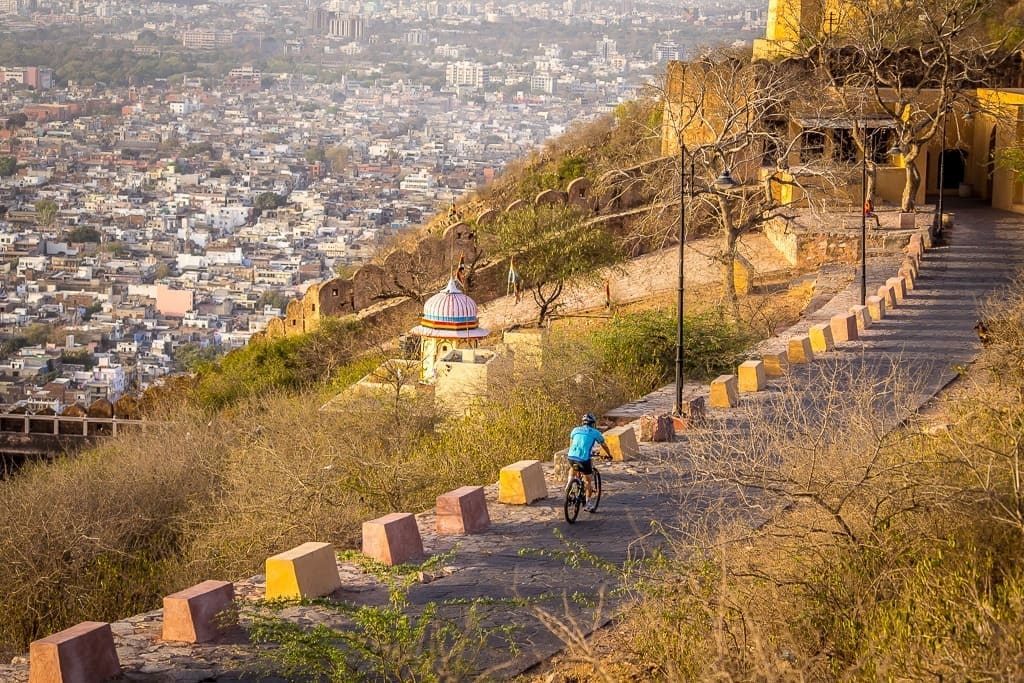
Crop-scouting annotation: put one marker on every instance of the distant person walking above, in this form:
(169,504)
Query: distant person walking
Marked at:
(869,212)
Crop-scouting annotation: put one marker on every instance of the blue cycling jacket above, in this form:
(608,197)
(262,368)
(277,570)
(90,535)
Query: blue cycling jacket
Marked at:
(581,442)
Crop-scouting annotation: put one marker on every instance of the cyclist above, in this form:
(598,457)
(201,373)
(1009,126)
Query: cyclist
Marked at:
(581,442)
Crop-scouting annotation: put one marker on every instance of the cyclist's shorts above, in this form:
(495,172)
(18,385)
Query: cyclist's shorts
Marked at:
(583,467)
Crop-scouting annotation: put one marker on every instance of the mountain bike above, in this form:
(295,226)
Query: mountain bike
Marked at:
(576,493)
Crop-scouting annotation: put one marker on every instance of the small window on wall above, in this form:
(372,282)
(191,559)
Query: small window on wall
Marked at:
(812,146)
(844,148)
(879,144)
(334,291)
(775,133)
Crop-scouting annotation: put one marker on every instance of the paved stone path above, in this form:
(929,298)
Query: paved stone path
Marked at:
(927,335)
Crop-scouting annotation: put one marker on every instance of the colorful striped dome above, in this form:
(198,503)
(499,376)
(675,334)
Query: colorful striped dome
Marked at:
(450,314)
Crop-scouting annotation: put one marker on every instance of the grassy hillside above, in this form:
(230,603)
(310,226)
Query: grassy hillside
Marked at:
(902,557)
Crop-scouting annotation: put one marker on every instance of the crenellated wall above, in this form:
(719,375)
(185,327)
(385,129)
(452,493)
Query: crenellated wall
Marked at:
(405,273)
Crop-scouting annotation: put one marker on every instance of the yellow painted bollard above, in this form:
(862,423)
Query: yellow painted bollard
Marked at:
(752,376)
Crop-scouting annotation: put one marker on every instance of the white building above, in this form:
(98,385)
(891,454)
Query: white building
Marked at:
(467,73)
(419,181)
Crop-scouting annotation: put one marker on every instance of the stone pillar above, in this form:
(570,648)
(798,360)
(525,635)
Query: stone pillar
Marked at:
(776,363)
(521,483)
(84,653)
(862,316)
(724,392)
(393,539)
(306,571)
(752,376)
(800,351)
(622,443)
(899,286)
(821,338)
(463,511)
(876,307)
(844,327)
(193,615)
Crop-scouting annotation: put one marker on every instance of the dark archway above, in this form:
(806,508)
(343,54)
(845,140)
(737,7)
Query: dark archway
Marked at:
(954,168)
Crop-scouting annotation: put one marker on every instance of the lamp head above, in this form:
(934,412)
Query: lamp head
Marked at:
(724,180)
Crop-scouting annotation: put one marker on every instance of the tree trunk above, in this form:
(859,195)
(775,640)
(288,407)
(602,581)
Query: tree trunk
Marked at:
(728,257)
(913,180)
(545,301)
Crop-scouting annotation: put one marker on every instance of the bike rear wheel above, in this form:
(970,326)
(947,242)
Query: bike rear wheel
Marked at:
(574,496)
(595,499)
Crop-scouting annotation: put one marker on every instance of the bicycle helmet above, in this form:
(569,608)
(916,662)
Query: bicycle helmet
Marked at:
(589,419)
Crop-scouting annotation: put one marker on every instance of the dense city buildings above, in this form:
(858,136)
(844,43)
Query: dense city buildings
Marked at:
(147,217)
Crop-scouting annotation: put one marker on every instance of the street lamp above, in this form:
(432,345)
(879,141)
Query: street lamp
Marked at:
(724,181)
(942,166)
(864,218)
(678,410)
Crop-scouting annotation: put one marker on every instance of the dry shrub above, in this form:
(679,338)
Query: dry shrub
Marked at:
(97,536)
(106,535)
(831,548)
(1001,325)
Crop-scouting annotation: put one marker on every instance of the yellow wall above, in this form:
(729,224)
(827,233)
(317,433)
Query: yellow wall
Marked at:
(790,22)
(1002,112)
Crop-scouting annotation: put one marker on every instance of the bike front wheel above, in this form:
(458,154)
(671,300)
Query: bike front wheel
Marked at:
(574,496)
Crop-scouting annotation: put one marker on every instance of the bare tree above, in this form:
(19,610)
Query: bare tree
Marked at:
(909,60)
(737,147)
(550,245)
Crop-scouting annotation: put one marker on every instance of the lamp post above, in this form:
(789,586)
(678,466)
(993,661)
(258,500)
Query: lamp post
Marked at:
(864,218)
(682,282)
(723,182)
(942,166)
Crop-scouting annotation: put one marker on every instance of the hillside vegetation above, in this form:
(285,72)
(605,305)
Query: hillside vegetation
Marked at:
(244,462)
(887,556)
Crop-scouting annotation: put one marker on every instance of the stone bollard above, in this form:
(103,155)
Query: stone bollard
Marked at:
(888,295)
(84,653)
(306,571)
(862,316)
(776,364)
(560,464)
(622,443)
(876,307)
(192,615)
(521,483)
(899,286)
(724,392)
(393,539)
(844,327)
(909,264)
(463,511)
(800,351)
(657,428)
(908,276)
(693,415)
(821,338)
(752,376)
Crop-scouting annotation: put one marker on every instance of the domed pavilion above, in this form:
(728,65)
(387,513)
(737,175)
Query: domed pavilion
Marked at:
(449,322)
